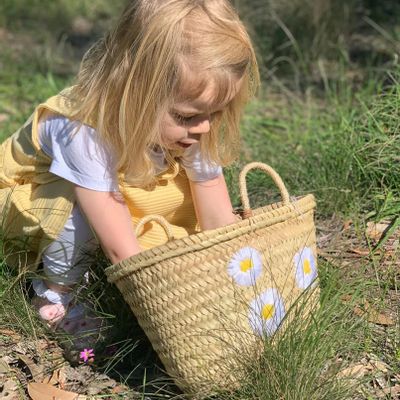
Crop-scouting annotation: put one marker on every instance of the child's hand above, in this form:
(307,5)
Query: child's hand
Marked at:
(197,168)
(212,203)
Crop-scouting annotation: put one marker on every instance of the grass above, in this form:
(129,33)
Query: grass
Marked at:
(343,148)
(341,144)
(295,38)
(303,361)
(59,16)
(24,81)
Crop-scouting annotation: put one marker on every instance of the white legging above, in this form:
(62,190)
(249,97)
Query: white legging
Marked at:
(67,259)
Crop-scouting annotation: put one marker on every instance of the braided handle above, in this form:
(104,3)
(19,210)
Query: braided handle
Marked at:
(158,218)
(247,212)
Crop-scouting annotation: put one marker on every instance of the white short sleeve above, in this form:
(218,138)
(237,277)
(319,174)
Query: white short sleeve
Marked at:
(197,168)
(77,155)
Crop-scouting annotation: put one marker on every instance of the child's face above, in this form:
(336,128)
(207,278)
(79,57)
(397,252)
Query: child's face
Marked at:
(186,121)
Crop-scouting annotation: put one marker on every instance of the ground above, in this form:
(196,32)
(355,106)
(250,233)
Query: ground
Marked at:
(24,361)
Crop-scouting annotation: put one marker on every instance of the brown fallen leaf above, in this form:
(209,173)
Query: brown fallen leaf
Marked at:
(43,344)
(62,377)
(44,391)
(118,389)
(10,333)
(393,391)
(52,379)
(354,371)
(46,379)
(30,368)
(346,297)
(4,367)
(374,231)
(10,390)
(373,315)
(380,366)
(379,382)
(346,224)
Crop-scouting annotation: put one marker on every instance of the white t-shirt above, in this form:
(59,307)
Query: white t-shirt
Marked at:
(79,157)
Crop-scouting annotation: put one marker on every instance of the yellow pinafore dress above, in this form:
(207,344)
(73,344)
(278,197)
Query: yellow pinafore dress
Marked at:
(35,204)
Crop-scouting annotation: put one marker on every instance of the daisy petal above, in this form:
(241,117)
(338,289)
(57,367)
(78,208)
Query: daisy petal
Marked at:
(245,266)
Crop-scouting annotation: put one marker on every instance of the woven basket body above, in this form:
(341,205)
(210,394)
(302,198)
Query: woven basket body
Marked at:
(207,300)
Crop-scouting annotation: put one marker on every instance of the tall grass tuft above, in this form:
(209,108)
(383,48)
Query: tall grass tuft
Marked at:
(305,359)
(378,153)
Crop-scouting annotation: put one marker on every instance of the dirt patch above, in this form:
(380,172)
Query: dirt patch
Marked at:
(41,361)
(370,253)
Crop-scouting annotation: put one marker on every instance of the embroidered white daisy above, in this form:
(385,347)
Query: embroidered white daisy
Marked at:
(266,312)
(306,268)
(245,266)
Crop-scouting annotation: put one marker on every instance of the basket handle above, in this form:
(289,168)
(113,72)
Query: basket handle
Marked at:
(158,218)
(247,212)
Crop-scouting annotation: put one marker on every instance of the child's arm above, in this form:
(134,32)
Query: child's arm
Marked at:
(109,217)
(212,203)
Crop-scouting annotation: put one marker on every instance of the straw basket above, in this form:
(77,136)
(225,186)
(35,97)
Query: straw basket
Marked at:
(207,301)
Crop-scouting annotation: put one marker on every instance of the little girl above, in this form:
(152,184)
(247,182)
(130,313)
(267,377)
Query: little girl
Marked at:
(153,116)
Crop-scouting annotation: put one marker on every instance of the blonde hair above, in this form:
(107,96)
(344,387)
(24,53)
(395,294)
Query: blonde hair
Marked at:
(128,80)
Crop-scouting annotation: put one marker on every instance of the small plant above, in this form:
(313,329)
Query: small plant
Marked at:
(87,355)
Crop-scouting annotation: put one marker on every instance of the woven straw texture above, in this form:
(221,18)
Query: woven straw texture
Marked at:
(207,301)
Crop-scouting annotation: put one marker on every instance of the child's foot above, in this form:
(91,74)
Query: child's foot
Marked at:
(51,313)
(57,311)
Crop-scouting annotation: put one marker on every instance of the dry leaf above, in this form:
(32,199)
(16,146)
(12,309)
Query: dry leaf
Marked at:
(347,224)
(118,389)
(373,315)
(52,379)
(43,344)
(20,348)
(4,367)
(10,333)
(379,381)
(47,379)
(34,370)
(44,391)
(379,365)
(379,318)
(10,390)
(346,297)
(394,392)
(55,378)
(375,230)
(354,371)
(62,377)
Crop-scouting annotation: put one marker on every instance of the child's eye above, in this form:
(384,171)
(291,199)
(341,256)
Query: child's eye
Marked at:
(183,118)
(186,119)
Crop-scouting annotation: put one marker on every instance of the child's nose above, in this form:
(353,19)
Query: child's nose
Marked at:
(202,126)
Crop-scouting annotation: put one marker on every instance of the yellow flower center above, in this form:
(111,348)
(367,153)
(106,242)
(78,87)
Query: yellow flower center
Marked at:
(307,266)
(246,264)
(267,311)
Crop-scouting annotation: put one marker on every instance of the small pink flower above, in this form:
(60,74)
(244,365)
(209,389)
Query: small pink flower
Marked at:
(87,355)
